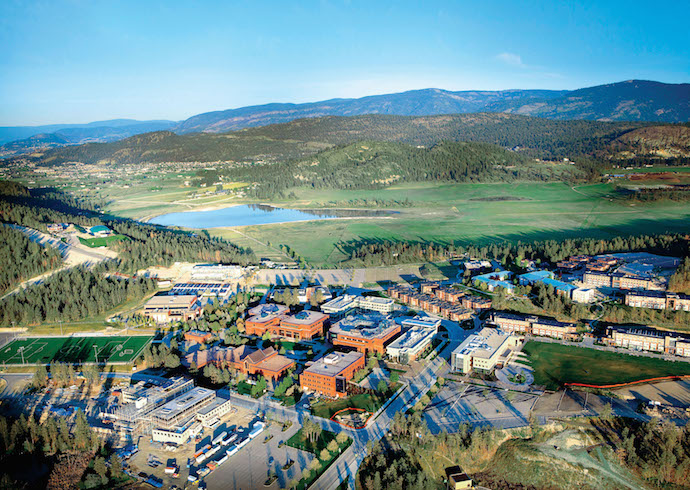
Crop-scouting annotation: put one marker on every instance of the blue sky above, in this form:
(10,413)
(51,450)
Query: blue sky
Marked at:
(80,60)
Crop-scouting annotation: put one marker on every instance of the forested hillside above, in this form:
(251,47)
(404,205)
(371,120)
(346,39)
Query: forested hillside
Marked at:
(373,164)
(148,244)
(23,259)
(282,142)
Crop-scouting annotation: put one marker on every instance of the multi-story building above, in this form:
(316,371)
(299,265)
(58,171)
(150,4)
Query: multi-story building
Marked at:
(583,295)
(266,362)
(167,309)
(408,346)
(330,374)
(483,351)
(263,317)
(645,339)
(597,279)
(533,325)
(197,336)
(426,322)
(476,302)
(366,333)
(304,325)
(276,320)
(683,348)
(658,300)
(181,409)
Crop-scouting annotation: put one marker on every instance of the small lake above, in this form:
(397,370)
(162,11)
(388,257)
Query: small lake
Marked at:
(258,214)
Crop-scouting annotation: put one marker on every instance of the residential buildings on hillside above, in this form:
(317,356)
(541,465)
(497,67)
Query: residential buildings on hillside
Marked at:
(533,325)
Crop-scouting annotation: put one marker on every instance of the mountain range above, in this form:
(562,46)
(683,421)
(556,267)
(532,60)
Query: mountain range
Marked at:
(633,100)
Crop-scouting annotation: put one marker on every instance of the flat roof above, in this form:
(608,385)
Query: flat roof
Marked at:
(182,402)
(422,321)
(171,301)
(334,363)
(412,338)
(266,312)
(341,302)
(369,326)
(217,402)
(483,344)
(305,317)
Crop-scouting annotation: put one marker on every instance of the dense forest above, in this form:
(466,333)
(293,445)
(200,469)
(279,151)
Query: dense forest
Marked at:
(148,244)
(385,252)
(55,454)
(23,259)
(73,294)
(372,165)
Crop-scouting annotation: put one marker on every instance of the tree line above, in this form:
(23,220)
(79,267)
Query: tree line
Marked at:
(23,259)
(73,294)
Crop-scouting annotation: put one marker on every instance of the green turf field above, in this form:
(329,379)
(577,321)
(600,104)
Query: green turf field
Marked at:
(556,364)
(43,350)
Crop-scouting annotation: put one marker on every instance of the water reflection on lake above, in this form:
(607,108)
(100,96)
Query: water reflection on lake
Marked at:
(258,214)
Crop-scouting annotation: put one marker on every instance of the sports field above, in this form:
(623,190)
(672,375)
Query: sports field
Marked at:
(556,364)
(43,350)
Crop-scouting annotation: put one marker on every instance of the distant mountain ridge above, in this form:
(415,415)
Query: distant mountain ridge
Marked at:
(633,100)
(95,132)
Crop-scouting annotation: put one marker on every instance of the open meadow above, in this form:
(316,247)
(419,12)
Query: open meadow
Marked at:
(556,364)
(465,213)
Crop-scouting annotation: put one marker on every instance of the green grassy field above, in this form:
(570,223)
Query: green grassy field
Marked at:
(453,213)
(43,350)
(101,241)
(556,364)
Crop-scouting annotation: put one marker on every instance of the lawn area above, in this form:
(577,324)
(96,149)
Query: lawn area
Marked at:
(370,403)
(555,364)
(300,441)
(43,350)
(102,241)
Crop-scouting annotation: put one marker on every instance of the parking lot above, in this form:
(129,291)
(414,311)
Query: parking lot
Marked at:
(152,458)
(458,403)
(249,468)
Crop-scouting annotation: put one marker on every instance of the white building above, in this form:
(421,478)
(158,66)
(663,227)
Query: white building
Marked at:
(482,351)
(217,272)
(583,295)
(425,322)
(410,344)
(342,306)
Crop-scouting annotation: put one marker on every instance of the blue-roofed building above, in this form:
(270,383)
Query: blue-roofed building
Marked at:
(560,286)
(100,230)
(547,277)
(494,280)
(536,276)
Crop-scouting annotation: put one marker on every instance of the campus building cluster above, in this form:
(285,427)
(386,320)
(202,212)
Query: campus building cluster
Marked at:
(457,305)
(548,278)
(172,411)
(483,352)
(347,304)
(278,322)
(265,362)
(533,325)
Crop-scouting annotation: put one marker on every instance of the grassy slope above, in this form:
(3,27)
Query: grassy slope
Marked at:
(555,364)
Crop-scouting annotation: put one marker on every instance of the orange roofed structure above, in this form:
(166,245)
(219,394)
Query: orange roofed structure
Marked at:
(366,333)
(266,362)
(276,320)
